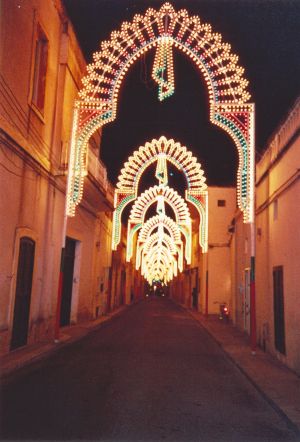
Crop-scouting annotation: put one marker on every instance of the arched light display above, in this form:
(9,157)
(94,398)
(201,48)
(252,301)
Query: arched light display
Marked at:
(162,151)
(160,265)
(174,230)
(151,196)
(144,250)
(158,253)
(164,31)
(152,224)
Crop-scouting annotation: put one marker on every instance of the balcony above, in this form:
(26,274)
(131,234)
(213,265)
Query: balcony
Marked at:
(98,191)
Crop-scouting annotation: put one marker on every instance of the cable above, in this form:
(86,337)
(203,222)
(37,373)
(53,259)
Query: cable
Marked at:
(16,174)
(13,103)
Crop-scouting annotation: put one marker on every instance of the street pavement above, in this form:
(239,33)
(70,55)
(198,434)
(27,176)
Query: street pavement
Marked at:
(152,373)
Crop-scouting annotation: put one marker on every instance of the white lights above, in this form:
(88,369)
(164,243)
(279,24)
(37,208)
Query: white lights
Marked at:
(162,151)
(164,31)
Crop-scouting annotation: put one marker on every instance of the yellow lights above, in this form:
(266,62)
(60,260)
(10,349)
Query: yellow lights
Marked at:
(168,223)
(161,151)
(161,172)
(162,194)
(163,69)
(159,249)
(165,31)
(238,121)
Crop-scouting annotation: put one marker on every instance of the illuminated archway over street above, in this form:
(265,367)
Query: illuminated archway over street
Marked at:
(163,30)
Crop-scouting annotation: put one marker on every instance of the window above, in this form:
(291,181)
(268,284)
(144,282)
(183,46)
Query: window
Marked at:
(221,203)
(279,328)
(40,68)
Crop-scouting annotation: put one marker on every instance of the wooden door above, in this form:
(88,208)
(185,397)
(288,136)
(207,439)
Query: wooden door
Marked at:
(23,293)
(66,299)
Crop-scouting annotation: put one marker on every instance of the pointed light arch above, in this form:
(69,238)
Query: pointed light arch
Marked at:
(143,157)
(143,202)
(228,96)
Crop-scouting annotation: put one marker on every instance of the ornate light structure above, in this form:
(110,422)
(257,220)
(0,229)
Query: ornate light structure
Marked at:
(158,254)
(163,71)
(162,151)
(143,202)
(166,29)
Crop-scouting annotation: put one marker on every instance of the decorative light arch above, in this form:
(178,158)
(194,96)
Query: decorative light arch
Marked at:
(143,202)
(175,231)
(174,152)
(163,29)
(159,265)
(171,196)
(143,248)
(178,155)
(153,223)
(166,239)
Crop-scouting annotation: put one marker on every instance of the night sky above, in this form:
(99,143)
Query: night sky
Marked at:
(265,36)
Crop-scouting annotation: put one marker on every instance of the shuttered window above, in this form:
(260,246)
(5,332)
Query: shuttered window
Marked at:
(40,70)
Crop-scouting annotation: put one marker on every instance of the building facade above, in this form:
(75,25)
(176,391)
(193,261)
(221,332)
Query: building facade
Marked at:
(206,282)
(277,247)
(278,242)
(41,66)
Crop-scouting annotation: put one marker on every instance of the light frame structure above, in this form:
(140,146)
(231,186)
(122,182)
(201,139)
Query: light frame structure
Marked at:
(227,88)
(137,215)
(178,155)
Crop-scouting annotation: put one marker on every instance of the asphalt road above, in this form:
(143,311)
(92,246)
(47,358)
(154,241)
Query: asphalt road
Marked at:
(151,374)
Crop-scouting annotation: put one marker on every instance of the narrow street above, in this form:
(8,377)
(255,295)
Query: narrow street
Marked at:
(152,373)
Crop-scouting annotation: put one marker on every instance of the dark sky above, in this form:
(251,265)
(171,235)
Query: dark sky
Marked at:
(263,33)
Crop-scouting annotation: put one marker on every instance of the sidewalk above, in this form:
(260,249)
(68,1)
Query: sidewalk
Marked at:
(277,383)
(24,356)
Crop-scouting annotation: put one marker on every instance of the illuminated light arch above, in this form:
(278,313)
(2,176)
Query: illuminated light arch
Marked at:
(228,96)
(168,223)
(174,152)
(160,270)
(178,155)
(160,265)
(144,201)
(175,231)
(166,239)
(150,259)
(171,196)
(144,248)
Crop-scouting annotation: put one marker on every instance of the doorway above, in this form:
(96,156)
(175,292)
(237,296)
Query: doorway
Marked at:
(67,288)
(246,306)
(278,295)
(123,287)
(23,293)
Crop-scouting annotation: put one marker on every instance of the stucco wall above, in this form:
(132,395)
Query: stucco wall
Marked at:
(34,153)
(278,243)
(218,259)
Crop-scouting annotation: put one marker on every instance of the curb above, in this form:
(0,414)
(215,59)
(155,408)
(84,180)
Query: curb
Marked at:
(291,425)
(52,347)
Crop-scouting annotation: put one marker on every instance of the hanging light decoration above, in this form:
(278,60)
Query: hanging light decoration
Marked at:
(163,69)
